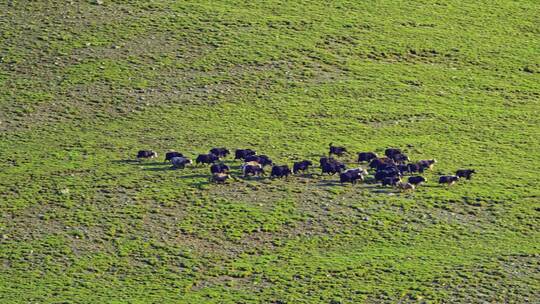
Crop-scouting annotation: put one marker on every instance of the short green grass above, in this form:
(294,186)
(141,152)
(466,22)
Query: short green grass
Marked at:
(84,86)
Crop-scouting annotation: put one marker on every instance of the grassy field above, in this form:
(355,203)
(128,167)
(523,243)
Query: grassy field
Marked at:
(83,86)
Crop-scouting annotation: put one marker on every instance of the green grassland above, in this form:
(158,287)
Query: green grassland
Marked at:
(84,86)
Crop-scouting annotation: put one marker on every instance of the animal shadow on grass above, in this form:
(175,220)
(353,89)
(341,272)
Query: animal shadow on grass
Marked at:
(144,163)
(253,178)
(328,183)
(432,185)
(126,161)
(307,175)
(193,176)
(383,190)
(371,186)
(159,169)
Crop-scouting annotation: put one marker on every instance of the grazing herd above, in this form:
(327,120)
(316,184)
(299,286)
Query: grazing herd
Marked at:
(388,170)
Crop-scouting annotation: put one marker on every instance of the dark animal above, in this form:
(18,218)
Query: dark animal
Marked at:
(171,154)
(326,160)
(331,166)
(146,154)
(427,163)
(390,152)
(403,169)
(220,178)
(339,151)
(206,158)
(243,153)
(280,171)
(387,167)
(301,166)
(220,152)
(261,159)
(391,181)
(413,168)
(381,175)
(400,158)
(366,156)
(219,168)
(351,176)
(449,180)
(466,173)
(378,163)
(254,170)
(416,180)
(180,162)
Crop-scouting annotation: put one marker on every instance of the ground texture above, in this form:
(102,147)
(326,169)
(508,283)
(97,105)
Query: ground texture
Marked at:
(84,85)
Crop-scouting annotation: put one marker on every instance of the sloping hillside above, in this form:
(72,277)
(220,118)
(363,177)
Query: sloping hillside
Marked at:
(84,86)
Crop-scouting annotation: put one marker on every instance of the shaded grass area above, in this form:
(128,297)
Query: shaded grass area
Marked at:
(81,221)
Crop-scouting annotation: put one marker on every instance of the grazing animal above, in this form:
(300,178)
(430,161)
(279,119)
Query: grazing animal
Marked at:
(352,175)
(220,178)
(400,158)
(326,160)
(381,175)
(251,163)
(180,162)
(361,170)
(254,170)
(403,169)
(301,166)
(280,171)
(413,168)
(332,166)
(171,154)
(405,186)
(387,167)
(427,163)
(206,158)
(243,153)
(449,180)
(339,151)
(466,173)
(366,156)
(261,159)
(220,152)
(416,180)
(394,170)
(219,168)
(391,181)
(390,152)
(378,163)
(146,154)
